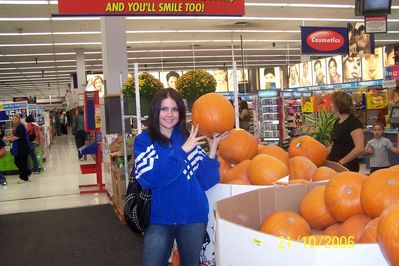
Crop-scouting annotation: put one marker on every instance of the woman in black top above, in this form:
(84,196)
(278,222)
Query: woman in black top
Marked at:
(347,135)
(20,138)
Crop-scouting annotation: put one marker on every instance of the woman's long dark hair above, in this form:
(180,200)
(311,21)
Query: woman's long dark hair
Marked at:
(155,109)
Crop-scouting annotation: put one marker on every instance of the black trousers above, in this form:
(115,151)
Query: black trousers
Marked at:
(80,139)
(22,163)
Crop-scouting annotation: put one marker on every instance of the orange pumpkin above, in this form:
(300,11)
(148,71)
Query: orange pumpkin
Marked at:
(213,113)
(238,182)
(354,226)
(240,145)
(301,167)
(260,146)
(224,169)
(342,195)
(310,148)
(285,223)
(265,170)
(275,151)
(380,190)
(298,181)
(369,234)
(239,171)
(388,234)
(314,210)
(324,173)
(333,230)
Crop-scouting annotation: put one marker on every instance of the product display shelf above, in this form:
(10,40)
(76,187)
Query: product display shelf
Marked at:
(271,117)
(7,162)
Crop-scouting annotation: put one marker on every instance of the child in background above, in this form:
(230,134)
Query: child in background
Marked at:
(378,149)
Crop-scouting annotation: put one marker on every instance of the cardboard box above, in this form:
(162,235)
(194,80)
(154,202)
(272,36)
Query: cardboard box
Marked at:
(239,241)
(118,187)
(222,191)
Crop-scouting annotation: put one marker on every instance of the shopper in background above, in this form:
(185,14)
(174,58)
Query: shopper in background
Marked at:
(172,78)
(335,78)
(80,133)
(378,149)
(3,152)
(20,138)
(57,124)
(171,162)
(244,115)
(64,123)
(35,137)
(347,135)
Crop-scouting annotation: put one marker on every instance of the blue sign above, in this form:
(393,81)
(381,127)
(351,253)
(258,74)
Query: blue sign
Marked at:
(324,40)
(7,110)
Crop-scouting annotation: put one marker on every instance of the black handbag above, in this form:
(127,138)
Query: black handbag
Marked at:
(137,206)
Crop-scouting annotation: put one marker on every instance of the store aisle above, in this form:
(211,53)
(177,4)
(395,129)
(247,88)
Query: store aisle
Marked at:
(56,187)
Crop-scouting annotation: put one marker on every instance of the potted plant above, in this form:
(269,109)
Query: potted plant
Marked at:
(194,84)
(148,85)
(321,126)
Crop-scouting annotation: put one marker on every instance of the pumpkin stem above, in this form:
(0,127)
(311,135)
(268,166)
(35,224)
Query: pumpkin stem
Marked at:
(348,190)
(391,181)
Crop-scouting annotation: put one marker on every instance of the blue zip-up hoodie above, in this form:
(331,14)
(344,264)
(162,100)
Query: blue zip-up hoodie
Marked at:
(178,180)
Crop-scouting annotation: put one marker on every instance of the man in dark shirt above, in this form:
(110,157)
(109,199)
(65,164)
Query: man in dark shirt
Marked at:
(3,151)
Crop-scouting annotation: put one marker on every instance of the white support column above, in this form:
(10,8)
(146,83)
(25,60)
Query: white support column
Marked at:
(113,37)
(80,70)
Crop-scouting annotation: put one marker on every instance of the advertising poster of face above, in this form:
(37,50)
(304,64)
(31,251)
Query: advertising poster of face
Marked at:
(95,82)
(352,68)
(372,65)
(242,77)
(168,78)
(389,55)
(306,74)
(293,76)
(220,76)
(360,43)
(334,69)
(268,76)
(319,72)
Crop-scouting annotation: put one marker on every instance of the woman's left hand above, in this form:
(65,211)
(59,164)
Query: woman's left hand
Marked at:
(214,142)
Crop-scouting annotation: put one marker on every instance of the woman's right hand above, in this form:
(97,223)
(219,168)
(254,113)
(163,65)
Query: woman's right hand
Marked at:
(193,140)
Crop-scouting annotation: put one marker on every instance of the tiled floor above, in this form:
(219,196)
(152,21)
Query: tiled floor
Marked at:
(54,188)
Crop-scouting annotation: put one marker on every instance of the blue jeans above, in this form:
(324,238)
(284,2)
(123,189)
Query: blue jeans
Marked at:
(158,243)
(34,158)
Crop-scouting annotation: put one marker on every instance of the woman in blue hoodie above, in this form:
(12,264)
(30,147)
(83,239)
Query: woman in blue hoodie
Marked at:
(170,161)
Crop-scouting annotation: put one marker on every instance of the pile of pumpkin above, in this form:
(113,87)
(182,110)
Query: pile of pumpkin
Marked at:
(365,208)
(245,162)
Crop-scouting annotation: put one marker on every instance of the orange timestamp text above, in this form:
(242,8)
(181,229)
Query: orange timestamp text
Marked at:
(323,241)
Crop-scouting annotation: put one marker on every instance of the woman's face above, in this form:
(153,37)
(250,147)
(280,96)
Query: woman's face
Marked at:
(269,77)
(373,64)
(168,116)
(352,68)
(332,68)
(98,84)
(15,120)
(220,75)
(172,82)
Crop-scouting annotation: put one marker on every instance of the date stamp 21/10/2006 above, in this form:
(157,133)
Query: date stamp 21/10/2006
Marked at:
(321,241)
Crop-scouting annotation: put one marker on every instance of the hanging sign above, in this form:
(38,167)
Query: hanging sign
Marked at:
(376,24)
(7,110)
(152,7)
(324,40)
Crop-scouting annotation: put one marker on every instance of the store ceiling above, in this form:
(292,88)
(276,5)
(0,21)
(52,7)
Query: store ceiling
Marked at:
(36,59)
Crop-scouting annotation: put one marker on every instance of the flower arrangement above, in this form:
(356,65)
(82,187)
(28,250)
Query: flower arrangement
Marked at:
(148,84)
(195,83)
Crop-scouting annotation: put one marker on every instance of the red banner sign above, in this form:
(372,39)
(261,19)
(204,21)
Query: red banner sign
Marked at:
(152,7)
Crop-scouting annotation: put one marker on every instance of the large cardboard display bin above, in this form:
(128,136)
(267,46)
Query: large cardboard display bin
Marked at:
(240,243)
